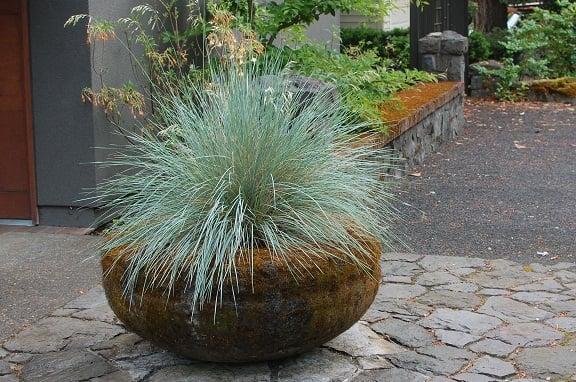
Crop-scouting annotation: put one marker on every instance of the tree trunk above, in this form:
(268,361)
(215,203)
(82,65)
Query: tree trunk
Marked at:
(490,14)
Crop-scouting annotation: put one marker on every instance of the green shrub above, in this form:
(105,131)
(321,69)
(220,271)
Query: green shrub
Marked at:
(269,18)
(360,77)
(392,46)
(240,163)
(486,46)
(169,54)
(480,48)
(542,46)
(496,38)
(509,87)
(545,42)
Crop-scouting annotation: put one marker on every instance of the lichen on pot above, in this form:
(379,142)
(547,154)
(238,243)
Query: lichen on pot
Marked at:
(268,314)
(249,226)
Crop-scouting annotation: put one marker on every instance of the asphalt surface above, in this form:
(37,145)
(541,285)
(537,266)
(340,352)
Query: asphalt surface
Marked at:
(505,188)
(40,272)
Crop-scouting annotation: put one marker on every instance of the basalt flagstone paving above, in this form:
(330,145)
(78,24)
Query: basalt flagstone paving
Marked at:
(42,268)
(435,319)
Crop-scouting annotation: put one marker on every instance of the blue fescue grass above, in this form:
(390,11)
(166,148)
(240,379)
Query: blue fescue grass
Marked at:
(239,163)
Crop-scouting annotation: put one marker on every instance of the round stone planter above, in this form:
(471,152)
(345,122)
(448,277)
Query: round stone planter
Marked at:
(270,316)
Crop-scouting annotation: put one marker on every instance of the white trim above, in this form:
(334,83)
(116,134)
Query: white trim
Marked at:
(24,223)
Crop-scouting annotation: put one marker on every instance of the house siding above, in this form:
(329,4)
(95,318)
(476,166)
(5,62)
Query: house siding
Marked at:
(63,126)
(398,18)
(67,132)
(113,64)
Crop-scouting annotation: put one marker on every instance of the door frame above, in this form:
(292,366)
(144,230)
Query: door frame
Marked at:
(28,109)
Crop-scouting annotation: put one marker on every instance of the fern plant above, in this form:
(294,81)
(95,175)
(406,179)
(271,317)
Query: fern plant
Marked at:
(243,162)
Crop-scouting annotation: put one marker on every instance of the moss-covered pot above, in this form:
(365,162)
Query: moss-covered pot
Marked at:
(274,316)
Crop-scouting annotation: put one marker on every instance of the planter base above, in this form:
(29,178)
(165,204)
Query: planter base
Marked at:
(274,317)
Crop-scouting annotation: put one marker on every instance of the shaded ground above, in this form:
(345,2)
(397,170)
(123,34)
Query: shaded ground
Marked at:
(40,272)
(506,188)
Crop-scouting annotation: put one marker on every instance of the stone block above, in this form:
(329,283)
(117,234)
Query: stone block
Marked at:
(443,62)
(430,43)
(428,62)
(405,333)
(476,82)
(456,68)
(390,374)
(361,341)
(309,88)
(550,363)
(433,360)
(453,43)
(493,366)
(71,365)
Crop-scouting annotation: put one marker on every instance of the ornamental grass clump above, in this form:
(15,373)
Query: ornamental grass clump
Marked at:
(239,163)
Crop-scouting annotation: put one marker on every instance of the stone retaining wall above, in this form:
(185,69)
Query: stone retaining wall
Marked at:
(425,128)
(433,129)
(484,88)
(550,97)
(440,116)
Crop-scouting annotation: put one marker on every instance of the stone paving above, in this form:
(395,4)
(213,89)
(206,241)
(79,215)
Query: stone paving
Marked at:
(435,319)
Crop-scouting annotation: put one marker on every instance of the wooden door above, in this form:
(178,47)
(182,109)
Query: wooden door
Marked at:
(17,196)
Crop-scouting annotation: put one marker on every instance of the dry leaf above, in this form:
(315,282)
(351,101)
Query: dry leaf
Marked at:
(518,145)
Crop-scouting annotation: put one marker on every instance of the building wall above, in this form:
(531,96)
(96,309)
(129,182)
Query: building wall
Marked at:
(68,133)
(326,31)
(399,17)
(62,124)
(113,66)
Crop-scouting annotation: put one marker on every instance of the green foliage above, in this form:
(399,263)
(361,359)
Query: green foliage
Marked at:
(242,163)
(496,38)
(360,77)
(392,46)
(268,19)
(179,42)
(472,9)
(509,87)
(486,46)
(164,37)
(479,47)
(545,42)
(543,46)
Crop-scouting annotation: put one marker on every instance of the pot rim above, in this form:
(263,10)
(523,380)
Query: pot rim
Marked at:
(263,259)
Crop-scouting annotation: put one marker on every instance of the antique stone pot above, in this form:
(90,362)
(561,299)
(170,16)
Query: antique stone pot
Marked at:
(271,317)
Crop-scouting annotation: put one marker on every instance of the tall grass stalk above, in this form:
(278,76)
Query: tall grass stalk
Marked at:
(243,163)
